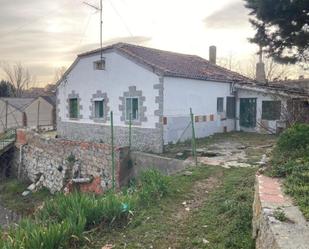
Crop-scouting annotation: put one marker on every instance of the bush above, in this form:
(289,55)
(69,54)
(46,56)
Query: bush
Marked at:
(294,139)
(292,148)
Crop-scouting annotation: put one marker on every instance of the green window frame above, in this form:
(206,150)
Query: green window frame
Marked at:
(99,108)
(73,107)
(230,107)
(271,110)
(220,104)
(132,107)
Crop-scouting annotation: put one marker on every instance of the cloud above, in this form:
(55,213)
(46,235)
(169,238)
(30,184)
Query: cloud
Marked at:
(234,15)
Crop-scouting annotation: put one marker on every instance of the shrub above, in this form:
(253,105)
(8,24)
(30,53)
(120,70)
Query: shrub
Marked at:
(292,148)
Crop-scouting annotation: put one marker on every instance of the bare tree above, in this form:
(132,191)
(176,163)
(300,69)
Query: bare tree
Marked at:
(59,72)
(19,76)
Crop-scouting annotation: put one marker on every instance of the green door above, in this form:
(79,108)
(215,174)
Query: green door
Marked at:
(247,112)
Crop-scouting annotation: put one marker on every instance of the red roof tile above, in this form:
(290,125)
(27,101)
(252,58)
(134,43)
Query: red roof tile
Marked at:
(175,64)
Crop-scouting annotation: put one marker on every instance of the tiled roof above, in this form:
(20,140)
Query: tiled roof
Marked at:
(18,103)
(175,64)
(277,88)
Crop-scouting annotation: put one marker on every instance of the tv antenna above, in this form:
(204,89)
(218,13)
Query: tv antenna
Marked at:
(100,8)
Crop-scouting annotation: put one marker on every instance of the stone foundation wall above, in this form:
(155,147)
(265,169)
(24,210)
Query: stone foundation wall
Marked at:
(269,232)
(143,139)
(60,160)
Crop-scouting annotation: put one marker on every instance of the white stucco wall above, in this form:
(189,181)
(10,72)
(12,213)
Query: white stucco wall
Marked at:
(260,96)
(181,94)
(119,74)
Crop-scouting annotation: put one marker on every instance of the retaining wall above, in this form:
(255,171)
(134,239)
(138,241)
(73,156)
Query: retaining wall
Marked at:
(269,232)
(60,160)
(143,161)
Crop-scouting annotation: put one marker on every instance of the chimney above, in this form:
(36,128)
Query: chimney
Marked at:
(260,69)
(213,54)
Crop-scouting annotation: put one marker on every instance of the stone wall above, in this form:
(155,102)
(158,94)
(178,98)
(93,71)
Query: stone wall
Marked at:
(143,139)
(57,161)
(269,232)
(143,161)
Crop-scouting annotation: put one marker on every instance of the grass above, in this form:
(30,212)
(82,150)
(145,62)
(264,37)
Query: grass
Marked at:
(63,220)
(11,198)
(222,216)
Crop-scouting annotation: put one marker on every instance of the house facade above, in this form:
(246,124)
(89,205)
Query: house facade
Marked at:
(151,89)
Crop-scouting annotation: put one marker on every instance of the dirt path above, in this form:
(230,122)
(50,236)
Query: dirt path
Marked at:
(181,216)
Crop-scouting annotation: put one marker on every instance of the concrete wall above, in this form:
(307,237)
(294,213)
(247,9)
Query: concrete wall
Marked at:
(15,117)
(182,94)
(260,96)
(45,109)
(121,78)
(49,158)
(143,161)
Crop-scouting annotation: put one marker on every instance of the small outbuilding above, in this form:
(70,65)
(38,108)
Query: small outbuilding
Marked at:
(34,113)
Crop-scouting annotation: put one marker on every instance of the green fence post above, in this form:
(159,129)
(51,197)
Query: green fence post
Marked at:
(130,131)
(113,153)
(193,138)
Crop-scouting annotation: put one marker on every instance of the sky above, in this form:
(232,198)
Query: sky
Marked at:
(45,35)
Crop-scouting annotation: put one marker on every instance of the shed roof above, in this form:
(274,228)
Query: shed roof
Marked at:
(18,103)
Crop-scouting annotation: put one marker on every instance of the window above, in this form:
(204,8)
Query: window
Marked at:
(132,108)
(73,107)
(219,104)
(99,65)
(230,107)
(271,110)
(99,108)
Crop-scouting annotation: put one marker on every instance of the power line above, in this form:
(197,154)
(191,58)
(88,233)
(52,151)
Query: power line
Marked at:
(121,18)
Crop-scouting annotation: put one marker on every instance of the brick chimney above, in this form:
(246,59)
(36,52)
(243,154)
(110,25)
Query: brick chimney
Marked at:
(213,54)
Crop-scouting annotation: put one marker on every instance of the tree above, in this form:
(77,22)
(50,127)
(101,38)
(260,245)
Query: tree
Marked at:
(273,70)
(282,28)
(59,72)
(6,89)
(19,77)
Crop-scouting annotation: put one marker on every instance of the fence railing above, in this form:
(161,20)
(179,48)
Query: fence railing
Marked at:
(7,139)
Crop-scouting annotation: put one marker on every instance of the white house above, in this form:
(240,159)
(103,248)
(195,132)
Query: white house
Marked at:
(156,89)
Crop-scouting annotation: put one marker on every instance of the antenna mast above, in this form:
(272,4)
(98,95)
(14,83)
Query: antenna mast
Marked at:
(101,27)
(101,22)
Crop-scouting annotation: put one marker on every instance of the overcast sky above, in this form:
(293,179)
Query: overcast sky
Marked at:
(44,34)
